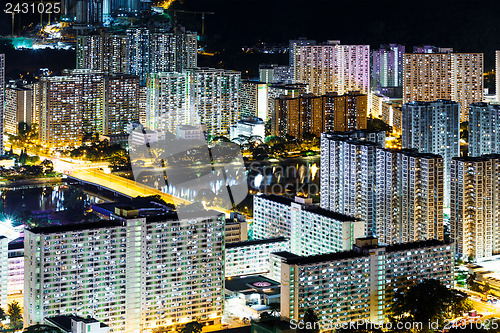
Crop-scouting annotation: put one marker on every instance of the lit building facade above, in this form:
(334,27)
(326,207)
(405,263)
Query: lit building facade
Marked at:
(217,100)
(2,99)
(297,42)
(167,104)
(102,51)
(275,91)
(81,102)
(18,108)
(122,93)
(133,273)
(15,271)
(160,51)
(254,99)
(475,208)
(387,67)
(348,183)
(450,76)
(252,257)
(4,244)
(433,127)
(198,96)
(316,114)
(273,74)
(333,67)
(361,284)
(311,229)
(409,204)
(484,122)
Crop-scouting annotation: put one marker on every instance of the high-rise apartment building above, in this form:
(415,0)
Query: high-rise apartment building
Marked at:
(217,100)
(316,114)
(254,99)
(172,51)
(311,229)
(497,75)
(252,257)
(475,206)
(409,204)
(135,272)
(81,102)
(122,93)
(272,73)
(139,51)
(2,99)
(275,91)
(348,178)
(453,76)
(196,96)
(333,67)
(387,67)
(158,51)
(4,244)
(361,284)
(297,42)
(433,127)
(102,51)
(167,101)
(392,115)
(484,133)
(18,108)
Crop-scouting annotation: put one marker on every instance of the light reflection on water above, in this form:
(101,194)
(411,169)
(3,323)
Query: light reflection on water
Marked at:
(260,175)
(35,198)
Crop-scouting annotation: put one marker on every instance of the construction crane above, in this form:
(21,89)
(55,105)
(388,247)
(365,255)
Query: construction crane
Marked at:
(202,13)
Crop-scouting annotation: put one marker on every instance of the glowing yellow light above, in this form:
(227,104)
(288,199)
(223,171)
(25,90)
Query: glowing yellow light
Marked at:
(166,4)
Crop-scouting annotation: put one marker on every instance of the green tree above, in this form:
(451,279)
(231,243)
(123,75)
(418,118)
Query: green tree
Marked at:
(48,166)
(428,301)
(192,327)
(274,309)
(3,315)
(472,284)
(15,314)
(265,316)
(311,322)
(41,329)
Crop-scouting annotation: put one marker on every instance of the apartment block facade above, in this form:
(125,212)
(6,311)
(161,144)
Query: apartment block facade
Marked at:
(317,114)
(134,272)
(484,133)
(475,206)
(409,204)
(451,76)
(252,257)
(311,229)
(332,67)
(361,284)
(433,127)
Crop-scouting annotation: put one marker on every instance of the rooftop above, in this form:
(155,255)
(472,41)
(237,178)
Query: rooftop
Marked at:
(64,322)
(293,259)
(414,245)
(256,242)
(75,227)
(247,283)
(481,158)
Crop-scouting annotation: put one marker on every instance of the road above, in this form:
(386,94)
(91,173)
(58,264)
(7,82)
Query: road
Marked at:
(486,309)
(93,172)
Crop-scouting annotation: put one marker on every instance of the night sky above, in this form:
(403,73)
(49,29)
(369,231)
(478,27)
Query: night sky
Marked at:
(467,26)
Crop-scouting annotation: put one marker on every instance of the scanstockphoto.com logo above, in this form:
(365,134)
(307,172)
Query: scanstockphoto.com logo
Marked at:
(190,169)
